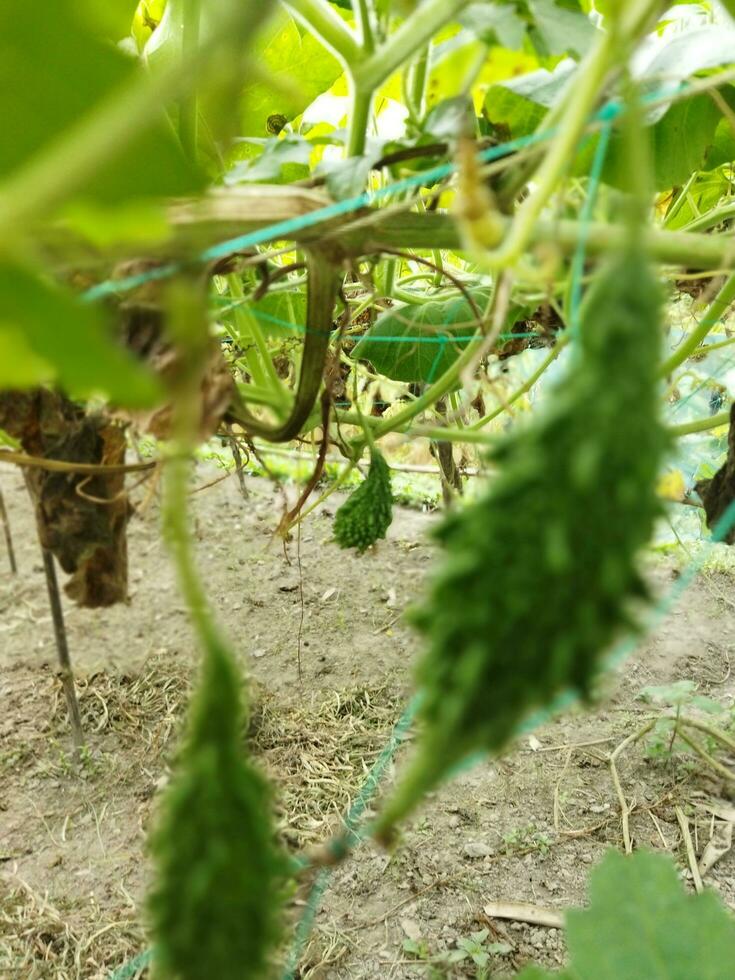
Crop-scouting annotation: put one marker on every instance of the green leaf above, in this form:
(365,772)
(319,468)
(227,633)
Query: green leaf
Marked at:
(281,314)
(450,118)
(641,925)
(52,333)
(676,693)
(415,343)
(294,68)
(53,71)
(560,30)
(519,105)
(494,24)
(418,343)
(278,157)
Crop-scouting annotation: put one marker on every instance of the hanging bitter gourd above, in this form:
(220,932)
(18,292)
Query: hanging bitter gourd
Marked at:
(217,901)
(538,572)
(367,513)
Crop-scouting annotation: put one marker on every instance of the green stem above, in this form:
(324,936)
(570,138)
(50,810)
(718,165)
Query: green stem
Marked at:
(188,105)
(415,87)
(699,425)
(322,20)
(259,395)
(415,32)
(362,15)
(718,307)
(321,297)
(563,148)
(433,393)
(678,203)
(712,218)
(362,101)
(248,325)
(527,384)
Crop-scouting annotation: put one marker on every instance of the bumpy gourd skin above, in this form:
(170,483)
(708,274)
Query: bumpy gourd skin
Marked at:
(217,902)
(539,571)
(367,513)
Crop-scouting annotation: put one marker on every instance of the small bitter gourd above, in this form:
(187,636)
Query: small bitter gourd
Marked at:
(218,897)
(539,571)
(367,513)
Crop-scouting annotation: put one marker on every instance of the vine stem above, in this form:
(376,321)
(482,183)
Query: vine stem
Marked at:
(321,18)
(268,377)
(188,325)
(717,308)
(367,39)
(699,425)
(416,31)
(362,101)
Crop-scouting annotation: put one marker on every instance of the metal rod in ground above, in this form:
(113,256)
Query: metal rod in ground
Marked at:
(8,536)
(62,649)
(237,456)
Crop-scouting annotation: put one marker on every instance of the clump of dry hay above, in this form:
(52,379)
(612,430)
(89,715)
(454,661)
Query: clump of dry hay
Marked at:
(37,940)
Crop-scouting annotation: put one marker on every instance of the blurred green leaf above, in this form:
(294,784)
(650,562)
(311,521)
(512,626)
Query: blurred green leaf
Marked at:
(494,24)
(294,68)
(519,105)
(20,366)
(642,925)
(561,28)
(279,158)
(112,19)
(53,71)
(68,338)
(676,693)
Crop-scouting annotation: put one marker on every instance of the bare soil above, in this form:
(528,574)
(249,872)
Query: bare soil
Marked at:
(524,828)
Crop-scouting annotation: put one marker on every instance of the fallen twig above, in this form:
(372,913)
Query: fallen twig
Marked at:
(525,912)
(691,856)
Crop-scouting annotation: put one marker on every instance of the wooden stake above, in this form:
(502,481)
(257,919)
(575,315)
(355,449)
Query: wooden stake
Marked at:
(8,537)
(62,649)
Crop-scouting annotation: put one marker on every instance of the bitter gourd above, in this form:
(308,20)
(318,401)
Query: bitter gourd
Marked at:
(367,513)
(216,905)
(539,571)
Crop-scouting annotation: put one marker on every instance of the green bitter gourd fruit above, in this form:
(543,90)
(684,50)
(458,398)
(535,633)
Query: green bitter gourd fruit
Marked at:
(539,571)
(367,513)
(217,902)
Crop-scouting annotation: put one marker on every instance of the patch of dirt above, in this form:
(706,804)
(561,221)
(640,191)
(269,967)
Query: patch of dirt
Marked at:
(523,828)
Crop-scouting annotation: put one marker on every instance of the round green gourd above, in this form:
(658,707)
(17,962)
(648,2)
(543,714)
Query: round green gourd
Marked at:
(367,513)
(217,902)
(538,572)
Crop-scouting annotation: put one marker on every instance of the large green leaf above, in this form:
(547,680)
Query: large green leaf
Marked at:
(641,925)
(46,333)
(53,71)
(418,343)
(293,69)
